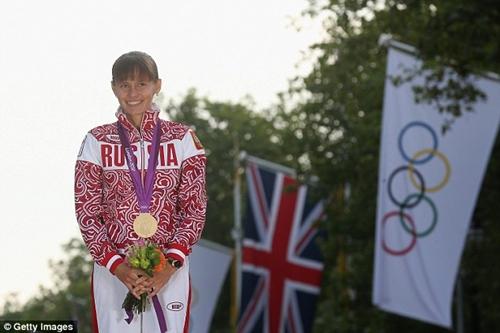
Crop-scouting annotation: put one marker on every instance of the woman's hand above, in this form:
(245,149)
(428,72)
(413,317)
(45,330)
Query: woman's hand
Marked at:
(159,279)
(134,279)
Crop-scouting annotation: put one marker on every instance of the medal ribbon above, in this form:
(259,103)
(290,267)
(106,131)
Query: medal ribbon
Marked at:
(144,193)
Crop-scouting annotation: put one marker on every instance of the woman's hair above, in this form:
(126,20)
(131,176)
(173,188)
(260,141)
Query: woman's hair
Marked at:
(134,63)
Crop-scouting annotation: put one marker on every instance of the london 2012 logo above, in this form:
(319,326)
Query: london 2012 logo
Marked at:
(417,180)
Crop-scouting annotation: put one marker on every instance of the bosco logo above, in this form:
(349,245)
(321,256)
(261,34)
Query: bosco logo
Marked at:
(417,180)
(113,138)
(175,306)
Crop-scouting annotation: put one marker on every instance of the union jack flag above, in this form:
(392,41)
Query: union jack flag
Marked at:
(281,261)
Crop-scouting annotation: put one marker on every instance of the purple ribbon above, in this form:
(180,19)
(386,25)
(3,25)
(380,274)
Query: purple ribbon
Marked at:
(159,314)
(144,193)
(130,315)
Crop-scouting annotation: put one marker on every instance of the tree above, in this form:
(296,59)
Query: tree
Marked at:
(460,35)
(226,129)
(339,129)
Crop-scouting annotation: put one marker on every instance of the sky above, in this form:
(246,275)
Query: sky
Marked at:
(55,66)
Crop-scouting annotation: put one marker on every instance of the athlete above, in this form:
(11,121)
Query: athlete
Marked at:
(115,161)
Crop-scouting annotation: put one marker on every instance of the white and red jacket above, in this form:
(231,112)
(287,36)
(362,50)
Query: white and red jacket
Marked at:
(105,199)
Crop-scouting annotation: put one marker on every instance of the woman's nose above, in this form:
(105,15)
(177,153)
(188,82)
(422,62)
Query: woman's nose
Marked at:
(132,92)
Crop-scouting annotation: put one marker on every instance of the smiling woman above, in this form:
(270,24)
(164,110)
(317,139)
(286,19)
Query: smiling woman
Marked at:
(145,200)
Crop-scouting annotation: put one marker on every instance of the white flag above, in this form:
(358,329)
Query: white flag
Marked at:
(208,263)
(428,186)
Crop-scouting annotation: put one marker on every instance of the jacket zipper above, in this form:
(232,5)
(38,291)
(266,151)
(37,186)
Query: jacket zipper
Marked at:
(142,156)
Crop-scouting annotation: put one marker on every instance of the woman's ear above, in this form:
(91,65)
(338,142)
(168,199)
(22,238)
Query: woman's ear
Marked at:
(157,86)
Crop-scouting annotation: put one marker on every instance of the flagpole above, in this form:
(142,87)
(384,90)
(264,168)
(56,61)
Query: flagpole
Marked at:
(460,303)
(237,235)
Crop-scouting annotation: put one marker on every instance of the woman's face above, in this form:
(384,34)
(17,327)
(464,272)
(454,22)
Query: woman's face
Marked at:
(135,95)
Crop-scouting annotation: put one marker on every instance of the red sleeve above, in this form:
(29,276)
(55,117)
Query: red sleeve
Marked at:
(88,207)
(191,205)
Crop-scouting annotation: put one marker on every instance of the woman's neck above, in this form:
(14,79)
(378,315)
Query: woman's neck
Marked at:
(135,120)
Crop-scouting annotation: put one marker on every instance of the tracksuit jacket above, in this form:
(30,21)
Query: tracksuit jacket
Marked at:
(105,199)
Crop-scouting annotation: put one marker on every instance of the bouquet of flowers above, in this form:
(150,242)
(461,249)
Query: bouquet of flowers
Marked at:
(147,257)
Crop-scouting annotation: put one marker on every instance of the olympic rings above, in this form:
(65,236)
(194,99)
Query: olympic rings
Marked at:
(413,230)
(400,141)
(412,200)
(421,188)
(446,163)
(413,234)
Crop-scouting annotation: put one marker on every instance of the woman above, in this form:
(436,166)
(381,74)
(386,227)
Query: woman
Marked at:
(116,166)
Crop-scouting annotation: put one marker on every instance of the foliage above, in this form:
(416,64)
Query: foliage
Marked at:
(480,277)
(339,128)
(461,35)
(226,129)
(147,257)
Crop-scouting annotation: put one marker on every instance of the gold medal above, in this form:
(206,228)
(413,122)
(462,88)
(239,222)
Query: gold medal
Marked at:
(145,225)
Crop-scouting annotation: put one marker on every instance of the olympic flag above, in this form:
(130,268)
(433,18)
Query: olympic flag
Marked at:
(428,186)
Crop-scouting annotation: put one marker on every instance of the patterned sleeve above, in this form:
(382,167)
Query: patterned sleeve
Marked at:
(192,198)
(88,204)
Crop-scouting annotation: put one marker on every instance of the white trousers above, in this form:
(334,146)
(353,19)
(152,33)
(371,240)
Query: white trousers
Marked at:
(109,292)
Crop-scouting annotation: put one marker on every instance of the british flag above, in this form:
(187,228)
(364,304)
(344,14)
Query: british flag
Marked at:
(281,262)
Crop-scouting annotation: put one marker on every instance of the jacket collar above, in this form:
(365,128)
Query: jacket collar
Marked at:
(148,122)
